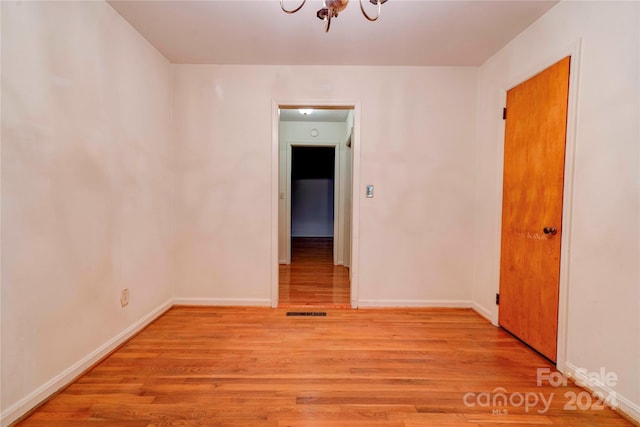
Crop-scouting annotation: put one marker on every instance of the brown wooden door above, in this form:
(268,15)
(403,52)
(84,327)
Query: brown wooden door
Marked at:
(534,153)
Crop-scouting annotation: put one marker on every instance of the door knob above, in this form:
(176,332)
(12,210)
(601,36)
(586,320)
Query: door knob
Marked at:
(550,230)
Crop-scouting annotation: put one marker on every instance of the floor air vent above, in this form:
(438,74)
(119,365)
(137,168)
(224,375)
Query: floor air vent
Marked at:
(306,313)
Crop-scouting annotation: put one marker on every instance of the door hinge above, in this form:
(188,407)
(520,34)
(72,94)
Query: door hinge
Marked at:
(497,299)
(504,113)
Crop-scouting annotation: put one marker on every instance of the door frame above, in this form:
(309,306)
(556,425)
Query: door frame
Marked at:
(574,51)
(337,205)
(354,105)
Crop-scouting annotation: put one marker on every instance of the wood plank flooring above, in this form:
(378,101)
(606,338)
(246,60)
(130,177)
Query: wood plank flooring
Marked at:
(234,366)
(311,279)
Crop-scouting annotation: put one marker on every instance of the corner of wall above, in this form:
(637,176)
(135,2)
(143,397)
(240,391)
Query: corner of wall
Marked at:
(64,378)
(605,395)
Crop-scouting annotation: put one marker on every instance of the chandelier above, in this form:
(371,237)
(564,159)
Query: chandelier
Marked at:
(333,7)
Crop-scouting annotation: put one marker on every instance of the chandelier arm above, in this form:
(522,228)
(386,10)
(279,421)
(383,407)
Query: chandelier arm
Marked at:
(364,12)
(293,10)
(327,23)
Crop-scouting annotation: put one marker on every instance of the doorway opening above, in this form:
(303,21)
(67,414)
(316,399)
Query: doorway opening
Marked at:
(315,206)
(313,200)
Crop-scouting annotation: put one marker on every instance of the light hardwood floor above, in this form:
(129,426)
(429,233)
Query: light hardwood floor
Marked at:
(234,366)
(311,279)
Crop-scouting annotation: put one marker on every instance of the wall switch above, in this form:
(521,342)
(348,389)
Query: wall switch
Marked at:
(369,192)
(124,297)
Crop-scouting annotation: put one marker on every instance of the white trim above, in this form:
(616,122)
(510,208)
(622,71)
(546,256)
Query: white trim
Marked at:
(337,203)
(443,303)
(573,50)
(592,384)
(502,99)
(260,302)
(287,204)
(355,182)
(567,203)
(354,263)
(482,311)
(69,375)
(275,197)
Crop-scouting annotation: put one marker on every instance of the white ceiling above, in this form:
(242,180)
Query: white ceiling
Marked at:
(409,32)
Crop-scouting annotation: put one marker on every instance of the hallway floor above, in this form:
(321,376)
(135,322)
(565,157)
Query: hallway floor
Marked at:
(311,279)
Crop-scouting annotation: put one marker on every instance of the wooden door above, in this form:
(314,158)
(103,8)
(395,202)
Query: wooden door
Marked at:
(534,153)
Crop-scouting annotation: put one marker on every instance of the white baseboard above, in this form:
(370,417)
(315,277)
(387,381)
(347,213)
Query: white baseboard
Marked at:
(415,303)
(61,380)
(624,404)
(266,302)
(482,311)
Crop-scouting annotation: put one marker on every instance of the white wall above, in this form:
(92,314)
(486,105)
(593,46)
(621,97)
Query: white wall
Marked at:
(603,304)
(86,191)
(417,138)
(312,207)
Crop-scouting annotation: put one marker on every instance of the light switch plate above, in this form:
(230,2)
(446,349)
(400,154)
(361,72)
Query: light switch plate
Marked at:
(369,192)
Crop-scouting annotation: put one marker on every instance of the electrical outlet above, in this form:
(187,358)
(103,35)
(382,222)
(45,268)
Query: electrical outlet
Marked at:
(124,297)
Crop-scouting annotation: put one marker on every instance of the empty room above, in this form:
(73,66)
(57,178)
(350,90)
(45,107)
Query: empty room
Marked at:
(320,213)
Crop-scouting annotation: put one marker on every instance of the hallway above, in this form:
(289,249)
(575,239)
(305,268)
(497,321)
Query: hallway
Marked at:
(312,279)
